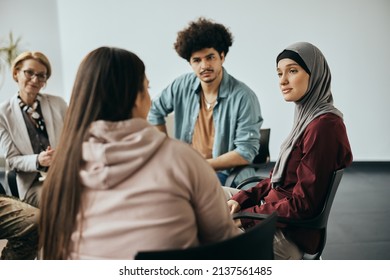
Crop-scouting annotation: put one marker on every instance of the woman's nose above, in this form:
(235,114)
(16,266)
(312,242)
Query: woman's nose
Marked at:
(34,78)
(283,80)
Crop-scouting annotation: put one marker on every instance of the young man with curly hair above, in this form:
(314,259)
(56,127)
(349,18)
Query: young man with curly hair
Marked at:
(216,114)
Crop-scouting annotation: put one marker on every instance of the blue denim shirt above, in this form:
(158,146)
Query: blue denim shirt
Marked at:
(237,115)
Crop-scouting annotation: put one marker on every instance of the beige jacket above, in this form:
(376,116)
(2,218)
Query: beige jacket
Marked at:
(15,141)
(145,191)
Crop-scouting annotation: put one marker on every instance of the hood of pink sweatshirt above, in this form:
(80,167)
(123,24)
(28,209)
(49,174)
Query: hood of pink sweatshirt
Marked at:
(114,151)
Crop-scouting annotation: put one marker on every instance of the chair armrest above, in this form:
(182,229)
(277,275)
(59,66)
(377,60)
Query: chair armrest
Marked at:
(233,175)
(246,215)
(254,179)
(306,223)
(236,170)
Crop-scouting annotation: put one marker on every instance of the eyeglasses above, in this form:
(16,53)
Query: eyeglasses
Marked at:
(29,74)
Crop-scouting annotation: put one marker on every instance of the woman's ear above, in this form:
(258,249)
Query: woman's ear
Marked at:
(15,75)
(137,105)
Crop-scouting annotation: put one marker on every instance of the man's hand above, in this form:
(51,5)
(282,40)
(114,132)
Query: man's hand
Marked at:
(226,161)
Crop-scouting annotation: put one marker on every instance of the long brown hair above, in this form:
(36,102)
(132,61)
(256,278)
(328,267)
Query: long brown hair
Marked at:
(106,87)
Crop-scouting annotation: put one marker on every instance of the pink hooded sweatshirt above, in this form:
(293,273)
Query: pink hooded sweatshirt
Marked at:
(145,191)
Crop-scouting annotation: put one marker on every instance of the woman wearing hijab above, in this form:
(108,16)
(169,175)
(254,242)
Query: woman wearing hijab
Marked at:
(316,146)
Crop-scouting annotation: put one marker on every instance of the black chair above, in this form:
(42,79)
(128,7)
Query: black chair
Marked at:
(261,160)
(319,222)
(2,190)
(254,244)
(11,180)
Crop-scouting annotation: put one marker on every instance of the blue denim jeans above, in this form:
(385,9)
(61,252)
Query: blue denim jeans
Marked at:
(222,178)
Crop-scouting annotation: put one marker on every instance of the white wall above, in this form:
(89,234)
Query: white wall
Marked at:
(353,34)
(36,22)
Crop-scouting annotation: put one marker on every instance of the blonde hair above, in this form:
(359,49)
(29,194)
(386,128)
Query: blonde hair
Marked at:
(38,56)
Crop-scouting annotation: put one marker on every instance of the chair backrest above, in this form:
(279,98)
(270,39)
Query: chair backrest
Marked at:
(11,180)
(2,190)
(260,161)
(254,244)
(320,222)
(263,155)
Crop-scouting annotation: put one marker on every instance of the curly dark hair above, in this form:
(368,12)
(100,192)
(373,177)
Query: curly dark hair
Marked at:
(202,34)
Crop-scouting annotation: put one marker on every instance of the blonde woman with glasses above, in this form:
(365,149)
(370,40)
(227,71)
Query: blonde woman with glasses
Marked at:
(30,124)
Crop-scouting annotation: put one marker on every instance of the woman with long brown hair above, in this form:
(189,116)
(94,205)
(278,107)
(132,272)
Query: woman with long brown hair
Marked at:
(117,185)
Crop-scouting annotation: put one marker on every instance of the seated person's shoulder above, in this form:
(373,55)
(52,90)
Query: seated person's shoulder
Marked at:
(186,78)
(54,98)
(326,124)
(5,106)
(181,149)
(50,96)
(240,90)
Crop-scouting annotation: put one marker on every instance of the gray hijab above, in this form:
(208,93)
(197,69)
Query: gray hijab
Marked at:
(317,101)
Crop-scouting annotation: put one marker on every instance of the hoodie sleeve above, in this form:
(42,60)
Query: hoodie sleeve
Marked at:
(210,206)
